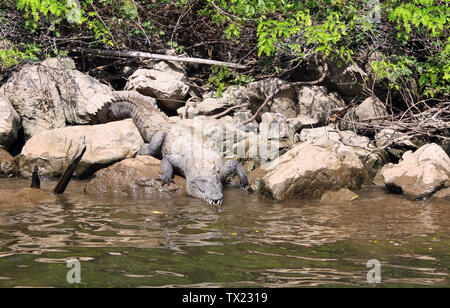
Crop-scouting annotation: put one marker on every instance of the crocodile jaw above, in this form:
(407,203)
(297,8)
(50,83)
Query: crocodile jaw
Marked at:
(208,188)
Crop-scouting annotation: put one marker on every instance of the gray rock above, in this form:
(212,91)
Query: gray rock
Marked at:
(163,82)
(275,126)
(212,105)
(395,142)
(319,104)
(370,108)
(302,122)
(240,117)
(50,94)
(284,102)
(9,123)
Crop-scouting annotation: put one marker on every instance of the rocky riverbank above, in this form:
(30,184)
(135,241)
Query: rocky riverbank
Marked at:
(293,148)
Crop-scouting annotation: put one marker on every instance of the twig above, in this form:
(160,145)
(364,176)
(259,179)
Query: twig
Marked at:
(67,174)
(223,113)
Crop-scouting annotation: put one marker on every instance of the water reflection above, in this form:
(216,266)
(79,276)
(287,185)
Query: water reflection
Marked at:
(55,223)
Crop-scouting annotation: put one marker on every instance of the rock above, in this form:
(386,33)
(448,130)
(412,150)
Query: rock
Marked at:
(341,196)
(7,164)
(51,94)
(378,179)
(221,132)
(319,104)
(419,174)
(106,144)
(211,104)
(370,108)
(240,117)
(347,79)
(275,126)
(9,123)
(257,149)
(442,194)
(311,134)
(302,122)
(207,107)
(284,102)
(309,170)
(348,141)
(163,82)
(133,178)
(395,142)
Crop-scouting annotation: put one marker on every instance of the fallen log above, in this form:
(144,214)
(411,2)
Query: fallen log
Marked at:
(146,55)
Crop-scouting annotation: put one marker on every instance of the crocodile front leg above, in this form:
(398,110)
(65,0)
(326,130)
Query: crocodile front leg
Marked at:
(233,166)
(166,172)
(154,147)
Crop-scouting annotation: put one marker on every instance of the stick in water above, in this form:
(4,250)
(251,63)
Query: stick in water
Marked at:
(35,181)
(67,175)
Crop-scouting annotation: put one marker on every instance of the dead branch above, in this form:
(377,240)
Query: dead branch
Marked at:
(223,113)
(67,174)
(146,55)
(35,181)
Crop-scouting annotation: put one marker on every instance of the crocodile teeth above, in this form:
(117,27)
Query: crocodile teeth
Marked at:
(214,202)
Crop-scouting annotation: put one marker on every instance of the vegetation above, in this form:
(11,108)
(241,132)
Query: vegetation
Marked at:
(409,41)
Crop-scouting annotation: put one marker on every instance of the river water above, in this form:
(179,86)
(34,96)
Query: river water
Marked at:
(248,242)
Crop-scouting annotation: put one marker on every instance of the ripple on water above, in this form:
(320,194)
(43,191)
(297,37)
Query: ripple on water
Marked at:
(249,241)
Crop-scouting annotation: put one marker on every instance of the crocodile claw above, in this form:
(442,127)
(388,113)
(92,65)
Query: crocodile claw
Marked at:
(165,181)
(244,187)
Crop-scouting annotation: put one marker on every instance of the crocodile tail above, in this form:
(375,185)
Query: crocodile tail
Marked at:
(131,105)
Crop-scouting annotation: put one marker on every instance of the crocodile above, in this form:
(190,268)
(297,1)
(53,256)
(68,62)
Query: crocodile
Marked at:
(182,149)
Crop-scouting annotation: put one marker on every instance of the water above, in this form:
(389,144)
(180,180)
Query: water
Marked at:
(249,242)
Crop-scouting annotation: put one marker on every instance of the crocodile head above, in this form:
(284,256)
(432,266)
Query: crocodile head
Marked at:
(206,187)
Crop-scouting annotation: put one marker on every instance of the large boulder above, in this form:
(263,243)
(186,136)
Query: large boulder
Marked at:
(51,94)
(133,178)
(318,103)
(372,160)
(308,170)
(420,173)
(164,82)
(9,123)
(106,144)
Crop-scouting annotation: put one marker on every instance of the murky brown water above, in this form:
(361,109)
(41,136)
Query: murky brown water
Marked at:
(181,241)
